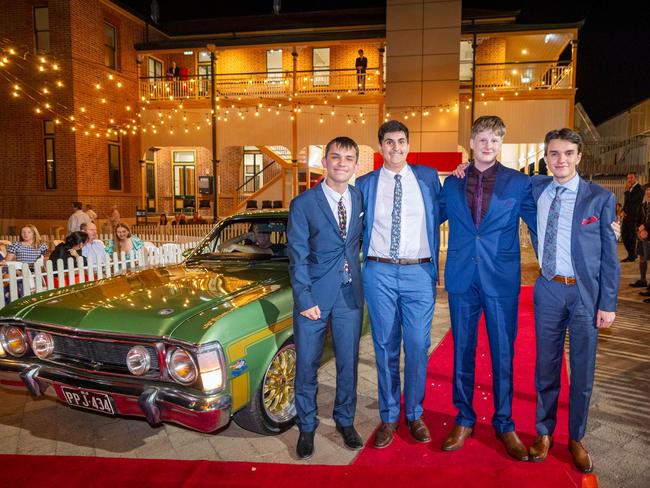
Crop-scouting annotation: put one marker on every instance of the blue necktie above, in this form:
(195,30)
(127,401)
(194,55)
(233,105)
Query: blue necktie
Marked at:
(550,237)
(396,219)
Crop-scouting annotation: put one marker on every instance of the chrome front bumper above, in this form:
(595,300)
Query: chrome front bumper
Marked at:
(156,402)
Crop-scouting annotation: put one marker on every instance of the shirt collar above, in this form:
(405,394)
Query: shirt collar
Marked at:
(333,194)
(491,171)
(571,185)
(391,174)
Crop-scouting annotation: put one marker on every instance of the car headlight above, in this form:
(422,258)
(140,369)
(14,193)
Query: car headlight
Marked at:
(13,340)
(138,360)
(181,366)
(43,345)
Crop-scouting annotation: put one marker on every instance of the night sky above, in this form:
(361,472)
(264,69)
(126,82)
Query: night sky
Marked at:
(613,49)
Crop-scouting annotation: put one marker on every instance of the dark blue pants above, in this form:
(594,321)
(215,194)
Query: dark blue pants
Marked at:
(309,337)
(558,307)
(501,323)
(400,305)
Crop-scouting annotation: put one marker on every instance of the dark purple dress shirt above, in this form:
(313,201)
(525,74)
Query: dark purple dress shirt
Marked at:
(478,196)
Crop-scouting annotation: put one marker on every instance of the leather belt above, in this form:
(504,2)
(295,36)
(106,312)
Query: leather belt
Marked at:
(567,280)
(402,261)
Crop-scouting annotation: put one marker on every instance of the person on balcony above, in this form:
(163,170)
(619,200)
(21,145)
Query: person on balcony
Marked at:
(361,64)
(173,73)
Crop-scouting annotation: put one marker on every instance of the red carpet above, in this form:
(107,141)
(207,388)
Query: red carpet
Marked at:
(484,453)
(481,463)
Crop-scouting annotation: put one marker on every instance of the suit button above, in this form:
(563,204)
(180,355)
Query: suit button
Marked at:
(478,238)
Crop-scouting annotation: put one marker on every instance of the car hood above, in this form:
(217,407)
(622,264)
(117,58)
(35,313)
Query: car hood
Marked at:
(152,302)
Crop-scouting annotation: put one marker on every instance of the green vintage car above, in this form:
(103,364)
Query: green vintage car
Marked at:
(192,344)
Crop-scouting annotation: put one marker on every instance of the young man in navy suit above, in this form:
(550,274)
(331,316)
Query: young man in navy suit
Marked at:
(482,276)
(577,288)
(324,233)
(400,248)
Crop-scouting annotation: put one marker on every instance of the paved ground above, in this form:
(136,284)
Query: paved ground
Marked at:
(618,433)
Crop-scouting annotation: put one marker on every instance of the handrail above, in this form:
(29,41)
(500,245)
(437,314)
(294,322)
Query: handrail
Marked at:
(255,175)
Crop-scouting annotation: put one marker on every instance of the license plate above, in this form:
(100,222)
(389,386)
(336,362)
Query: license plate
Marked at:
(99,402)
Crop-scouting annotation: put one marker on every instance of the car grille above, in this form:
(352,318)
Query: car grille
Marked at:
(95,355)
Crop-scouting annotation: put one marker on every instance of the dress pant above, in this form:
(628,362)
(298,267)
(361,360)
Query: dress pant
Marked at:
(309,337)
(501,324)
(400,302)
(558,307)
(628,236)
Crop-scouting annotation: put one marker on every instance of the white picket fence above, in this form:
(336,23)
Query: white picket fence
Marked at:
(19,279)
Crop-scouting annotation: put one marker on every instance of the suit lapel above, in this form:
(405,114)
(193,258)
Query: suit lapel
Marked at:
(582,199)
(462,201)
(426,199)
(499,184)
(325,208)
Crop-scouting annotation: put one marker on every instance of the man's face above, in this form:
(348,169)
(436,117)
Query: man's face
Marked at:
(631,179)
(562,158)
(91,230)
(340,163)
(262,236)
(394,148)
(486,146)
(647,194)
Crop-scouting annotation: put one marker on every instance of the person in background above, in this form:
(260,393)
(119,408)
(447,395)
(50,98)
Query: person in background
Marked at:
(642,243)
(179,219)
(114,217)
(28,249)
(94,250)
(90,213)
(70,248)
(123,241)
(631,205)
(163,219)
(361,64)
(197,219)
(77,218)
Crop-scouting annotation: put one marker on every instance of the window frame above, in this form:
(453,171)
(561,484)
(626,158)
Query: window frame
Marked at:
(37,49)
(115,142)
(49,138)
(114,47)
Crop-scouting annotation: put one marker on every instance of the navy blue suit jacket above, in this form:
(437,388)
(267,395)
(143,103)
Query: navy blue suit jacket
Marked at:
(316,249)
(493,247)
(593,244)
(429,187)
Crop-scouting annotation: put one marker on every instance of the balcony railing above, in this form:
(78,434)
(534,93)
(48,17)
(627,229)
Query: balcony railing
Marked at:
(264,85)
(537,75)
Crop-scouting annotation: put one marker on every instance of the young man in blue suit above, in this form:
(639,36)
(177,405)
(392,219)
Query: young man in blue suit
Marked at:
(482,275)
(400,249)
(577,289)
(324,234)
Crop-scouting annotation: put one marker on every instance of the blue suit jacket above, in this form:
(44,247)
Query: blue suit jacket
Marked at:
(493,247)
(429,187)
(316,249)
(593,244)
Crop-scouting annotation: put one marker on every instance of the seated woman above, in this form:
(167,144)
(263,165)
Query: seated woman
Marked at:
(124,241)
(70,248)
(256,241)
(28,249)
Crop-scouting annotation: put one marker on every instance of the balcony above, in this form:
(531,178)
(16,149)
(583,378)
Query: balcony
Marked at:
(278,85)
(538,75)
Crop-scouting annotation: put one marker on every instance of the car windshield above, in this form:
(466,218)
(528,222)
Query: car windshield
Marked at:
(246,239)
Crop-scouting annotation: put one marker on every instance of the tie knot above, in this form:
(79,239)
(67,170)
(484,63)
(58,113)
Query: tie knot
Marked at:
(341,201)
(559,190)
(398,177)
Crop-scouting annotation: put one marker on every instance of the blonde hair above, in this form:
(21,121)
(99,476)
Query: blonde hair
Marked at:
(493,123)
(37,236)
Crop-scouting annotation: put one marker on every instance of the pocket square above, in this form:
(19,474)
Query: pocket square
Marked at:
(590,220)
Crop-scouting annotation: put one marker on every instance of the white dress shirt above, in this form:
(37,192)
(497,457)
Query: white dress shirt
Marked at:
(414,242)
(333,198)
(95,251)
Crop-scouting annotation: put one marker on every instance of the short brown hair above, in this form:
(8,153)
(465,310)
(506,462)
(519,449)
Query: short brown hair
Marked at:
(344,143)
(565,135)
(489,122)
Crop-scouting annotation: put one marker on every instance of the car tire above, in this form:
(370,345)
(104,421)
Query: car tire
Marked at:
(272,410)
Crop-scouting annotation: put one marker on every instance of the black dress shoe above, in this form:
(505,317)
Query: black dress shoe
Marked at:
(305,447)
(639,284)
(645,293)
(647,300)
(628,260)
(351,437)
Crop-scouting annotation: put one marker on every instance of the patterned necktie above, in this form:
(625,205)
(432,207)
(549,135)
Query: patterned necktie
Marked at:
(550,237)
(477,203)
(396,219)
(343,219)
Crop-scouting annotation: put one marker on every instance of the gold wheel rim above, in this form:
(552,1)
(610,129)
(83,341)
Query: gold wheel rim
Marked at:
(278,391)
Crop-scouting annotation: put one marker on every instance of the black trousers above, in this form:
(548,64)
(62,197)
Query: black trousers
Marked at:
(628,236)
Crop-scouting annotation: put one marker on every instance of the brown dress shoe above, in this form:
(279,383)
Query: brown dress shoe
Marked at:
(456,438)
(419,431)
(384,435)
(581,457)
(514,447)
(539,449)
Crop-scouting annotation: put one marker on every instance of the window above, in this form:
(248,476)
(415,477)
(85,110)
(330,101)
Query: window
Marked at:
(321,64)
(184,179)
(466,60)
(50,160)
(154,68)
(114,162)
(42,29)
(110,46)
(274,65)
(253,165)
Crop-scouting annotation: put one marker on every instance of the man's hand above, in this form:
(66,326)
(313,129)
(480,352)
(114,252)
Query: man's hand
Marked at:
(616,227)
(459,172)
(605,319)
(312,313)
